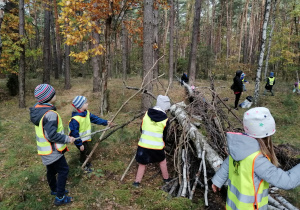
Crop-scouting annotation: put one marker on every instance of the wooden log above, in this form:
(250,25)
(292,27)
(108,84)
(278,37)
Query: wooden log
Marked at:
(197,138)
(205,179)
(275,203)
(184,171)
(285,203)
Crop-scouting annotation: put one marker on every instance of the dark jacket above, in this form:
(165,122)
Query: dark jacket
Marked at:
(50,123)
(158,116)
(237,82)
(268,86)
(74,125)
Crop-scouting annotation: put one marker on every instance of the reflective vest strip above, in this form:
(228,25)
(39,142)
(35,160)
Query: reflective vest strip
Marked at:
(145,141)
(241,197)
(149,133)
(87,137)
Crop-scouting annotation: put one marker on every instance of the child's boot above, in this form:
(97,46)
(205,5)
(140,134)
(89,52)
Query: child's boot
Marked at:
(63,200)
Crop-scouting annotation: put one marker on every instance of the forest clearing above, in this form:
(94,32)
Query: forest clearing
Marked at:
(170,84)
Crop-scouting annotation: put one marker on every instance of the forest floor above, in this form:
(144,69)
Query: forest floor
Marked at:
(23,183)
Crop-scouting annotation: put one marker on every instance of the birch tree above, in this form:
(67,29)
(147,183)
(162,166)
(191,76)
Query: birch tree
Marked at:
(262,50)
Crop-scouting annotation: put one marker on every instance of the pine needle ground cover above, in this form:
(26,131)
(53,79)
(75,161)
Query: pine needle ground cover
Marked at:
(23,183)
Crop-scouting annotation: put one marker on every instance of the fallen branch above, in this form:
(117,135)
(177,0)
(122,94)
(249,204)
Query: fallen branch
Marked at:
(196,181)
(205,179)
(128,167)
(143,90)
(100,139)
(285,203)
(184,171)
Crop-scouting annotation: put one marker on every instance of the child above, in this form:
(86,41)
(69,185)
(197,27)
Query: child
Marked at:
(51,141)
(252,164)
(80,124)
(151,144)
(270,83)
(244,81)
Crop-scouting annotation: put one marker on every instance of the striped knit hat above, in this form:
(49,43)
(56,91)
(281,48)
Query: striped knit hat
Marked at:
(79,101)
(44,93)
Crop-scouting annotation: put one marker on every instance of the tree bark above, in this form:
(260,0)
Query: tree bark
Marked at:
(22,56)
(171,46)
(47,43)
(147,52)
(270,38)
(54,60)
(95,64)
(124,50)
(193,52)
(262,51)
(156,41)
(58,39)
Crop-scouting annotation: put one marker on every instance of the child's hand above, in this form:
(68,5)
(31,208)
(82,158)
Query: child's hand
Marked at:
(81,148)
(111,124)
(215,188)
(72,139)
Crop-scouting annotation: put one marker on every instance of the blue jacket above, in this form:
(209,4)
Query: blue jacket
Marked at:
(74,125)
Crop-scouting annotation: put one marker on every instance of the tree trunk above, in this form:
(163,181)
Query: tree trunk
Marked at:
(262,51)
(156,42)
(58,50)
(95,65)
(193,53)
(171,47)
(22,56)
(270,38)
(67,68)
(47,43)
(124,51)
(177,26)
(55,61)
(147,52)
(105,69)
(243,18)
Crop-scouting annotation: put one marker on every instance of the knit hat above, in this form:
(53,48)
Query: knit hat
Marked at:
(163,102)
(44,93)
(259,123)
(271,74)
(79,101)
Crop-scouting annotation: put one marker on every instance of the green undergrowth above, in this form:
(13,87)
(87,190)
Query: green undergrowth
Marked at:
(23,182)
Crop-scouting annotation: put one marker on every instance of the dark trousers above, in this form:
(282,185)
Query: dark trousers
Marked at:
(237,98)
(61,169)
(85,152)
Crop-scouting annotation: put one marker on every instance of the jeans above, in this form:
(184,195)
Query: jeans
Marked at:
(57,174)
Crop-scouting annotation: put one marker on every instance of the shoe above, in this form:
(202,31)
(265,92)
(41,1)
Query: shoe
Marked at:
(236,108)
(136,184)
(62,201)
(54,193)
(167,180)
(88,170)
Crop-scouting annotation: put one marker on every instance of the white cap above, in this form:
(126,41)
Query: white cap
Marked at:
(259,123)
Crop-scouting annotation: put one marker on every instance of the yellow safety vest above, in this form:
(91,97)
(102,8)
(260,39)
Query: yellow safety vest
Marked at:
(152,133)
(84,126)
(44,147)
(271,80)
(241,193)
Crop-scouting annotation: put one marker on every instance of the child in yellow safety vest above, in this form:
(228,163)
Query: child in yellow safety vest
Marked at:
(80,125)
(151,144)
(252,164)
(270,83)
(51,141)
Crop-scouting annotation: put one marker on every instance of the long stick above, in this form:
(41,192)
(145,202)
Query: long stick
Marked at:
(196,180)
(90,134)
(128,167)
(205,178)
(96,145)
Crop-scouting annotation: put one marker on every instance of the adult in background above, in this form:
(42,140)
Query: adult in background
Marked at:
(270,83)
(151,144)
(184,78)
(237,88)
